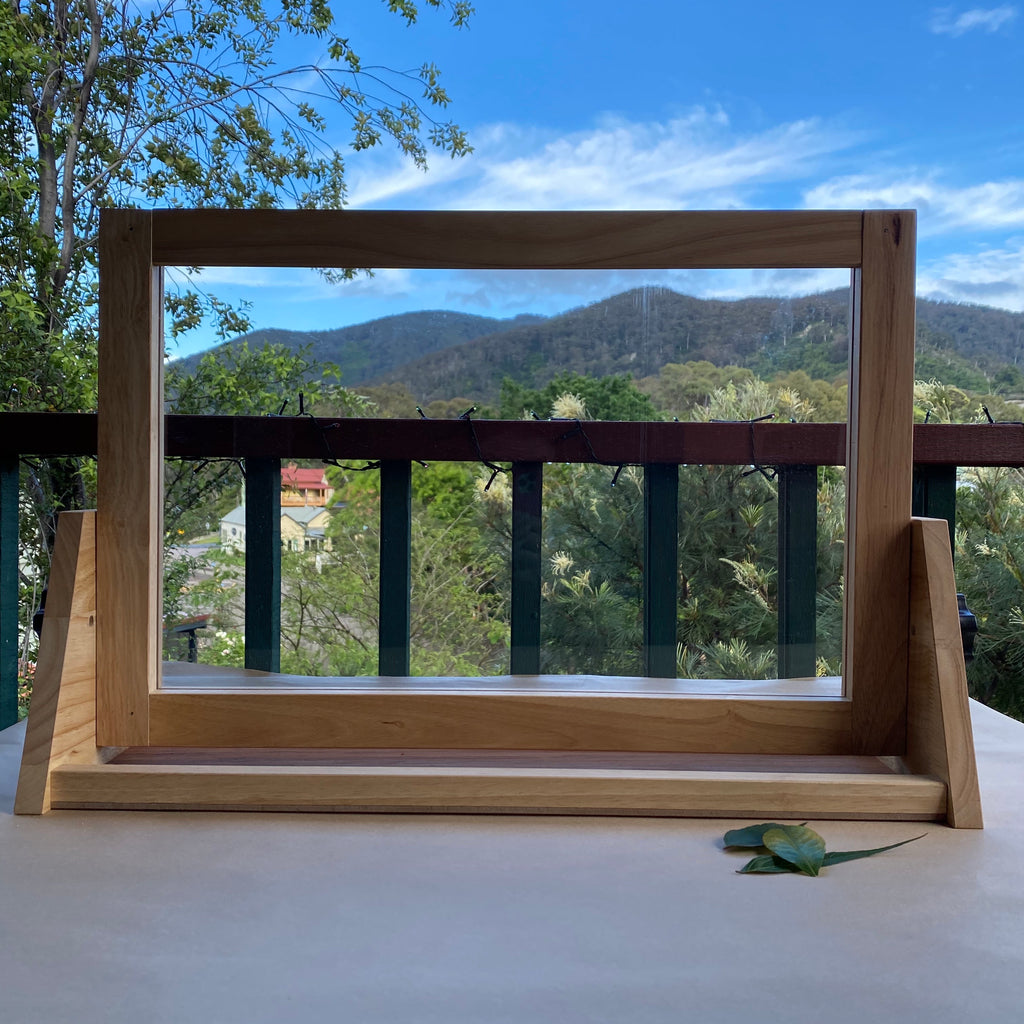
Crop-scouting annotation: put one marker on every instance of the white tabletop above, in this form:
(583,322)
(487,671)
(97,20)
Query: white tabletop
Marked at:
(211,918)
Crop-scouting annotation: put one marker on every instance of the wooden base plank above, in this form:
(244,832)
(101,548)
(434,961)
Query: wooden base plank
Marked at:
(498,791)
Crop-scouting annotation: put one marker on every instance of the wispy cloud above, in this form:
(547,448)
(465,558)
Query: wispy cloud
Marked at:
(946,22)
(689,162)
(503,293)
(988,206)
(989,276)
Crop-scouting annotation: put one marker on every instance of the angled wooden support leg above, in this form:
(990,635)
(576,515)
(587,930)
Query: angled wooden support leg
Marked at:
(940,740)
(62,720)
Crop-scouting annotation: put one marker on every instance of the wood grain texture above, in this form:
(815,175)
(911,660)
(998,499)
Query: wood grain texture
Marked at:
(501,791)
(129,481)
(879,483)
(476,720)
(506,240)
(940,739)
(61,727)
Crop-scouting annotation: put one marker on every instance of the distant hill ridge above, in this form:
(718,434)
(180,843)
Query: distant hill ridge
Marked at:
(368,350)
(441,354)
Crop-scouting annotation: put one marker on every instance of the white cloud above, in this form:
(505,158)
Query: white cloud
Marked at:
(379,187)
(989,276)
(989,206)
(945,22)
(689,162)
(504,293)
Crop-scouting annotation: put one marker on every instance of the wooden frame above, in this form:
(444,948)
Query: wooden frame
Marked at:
(870,720)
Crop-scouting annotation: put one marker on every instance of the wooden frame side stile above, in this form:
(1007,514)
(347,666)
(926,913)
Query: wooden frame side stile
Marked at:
(129,541)
(880,455)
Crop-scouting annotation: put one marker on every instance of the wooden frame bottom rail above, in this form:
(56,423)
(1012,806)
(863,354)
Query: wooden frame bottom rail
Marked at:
(475,720)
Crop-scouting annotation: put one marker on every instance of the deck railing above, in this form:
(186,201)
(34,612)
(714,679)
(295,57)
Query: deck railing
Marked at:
(795,450)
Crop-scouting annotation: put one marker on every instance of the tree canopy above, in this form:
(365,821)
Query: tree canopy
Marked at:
(183,103)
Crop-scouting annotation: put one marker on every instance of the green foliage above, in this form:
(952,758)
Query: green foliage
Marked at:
(330,609)
(727,587)
(990,573)
(797,845)
(225,647)
(980,335)
(686,391)
(792,849)
(240,382)
(184,103)
(588,627)
(946,365)
(819,348)
(254,382)
(389,401)
(604,398)
(368,351)
(679,388)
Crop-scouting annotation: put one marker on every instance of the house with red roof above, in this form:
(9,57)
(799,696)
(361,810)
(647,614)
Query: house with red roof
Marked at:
(304,487)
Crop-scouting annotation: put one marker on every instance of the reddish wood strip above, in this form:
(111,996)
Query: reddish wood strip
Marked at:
(508,441)
(816,444)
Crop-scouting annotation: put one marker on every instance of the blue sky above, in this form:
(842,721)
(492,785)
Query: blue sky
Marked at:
(659,105)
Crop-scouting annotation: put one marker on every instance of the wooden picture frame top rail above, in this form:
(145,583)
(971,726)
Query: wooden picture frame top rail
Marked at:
(645,240)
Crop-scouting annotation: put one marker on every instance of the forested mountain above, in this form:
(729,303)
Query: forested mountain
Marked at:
(640,331)
(440,355)
(368,350)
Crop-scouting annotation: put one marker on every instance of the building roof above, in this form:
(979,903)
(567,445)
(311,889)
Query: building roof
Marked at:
(294,476)
(303,515)
(236,517)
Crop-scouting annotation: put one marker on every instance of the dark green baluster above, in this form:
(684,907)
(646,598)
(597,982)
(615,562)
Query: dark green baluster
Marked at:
(661,560)
(798,553)
(395,565)
(263,564)
(527,490)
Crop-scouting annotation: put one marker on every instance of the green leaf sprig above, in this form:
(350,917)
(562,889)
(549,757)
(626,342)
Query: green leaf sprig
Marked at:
(791,849)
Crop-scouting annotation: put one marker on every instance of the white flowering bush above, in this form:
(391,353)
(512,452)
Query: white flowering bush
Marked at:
(225,647)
